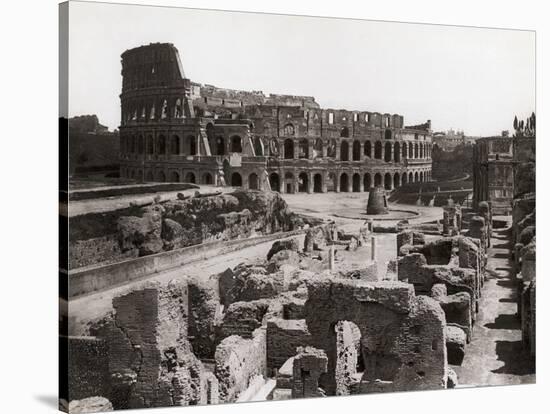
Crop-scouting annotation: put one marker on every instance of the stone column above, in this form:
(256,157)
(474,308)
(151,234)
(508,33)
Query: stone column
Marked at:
(309,149)
(361,151)
(325,149)
(296,149)
(310,183)
(337,151)
(325,178)
(350,182)
(350,151)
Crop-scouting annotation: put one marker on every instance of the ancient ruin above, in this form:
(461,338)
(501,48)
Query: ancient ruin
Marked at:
(175,130)
(207,280)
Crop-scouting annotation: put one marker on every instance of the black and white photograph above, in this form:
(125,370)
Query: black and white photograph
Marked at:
(265,207)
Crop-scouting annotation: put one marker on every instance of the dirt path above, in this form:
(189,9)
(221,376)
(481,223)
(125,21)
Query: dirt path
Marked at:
(495,356)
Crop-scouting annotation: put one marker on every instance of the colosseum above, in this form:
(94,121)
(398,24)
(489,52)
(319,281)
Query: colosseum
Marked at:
(173,129)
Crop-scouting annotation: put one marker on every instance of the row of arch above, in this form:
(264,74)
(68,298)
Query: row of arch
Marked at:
(206,178)
(175,145)
(344,182)
(349,150)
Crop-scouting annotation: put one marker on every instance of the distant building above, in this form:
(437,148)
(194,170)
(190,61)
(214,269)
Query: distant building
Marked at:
(176,130)
(92,147)
(449,140)
(493,173)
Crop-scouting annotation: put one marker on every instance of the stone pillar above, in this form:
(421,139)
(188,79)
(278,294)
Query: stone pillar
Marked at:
(296,149)
(309,149)
(325,149)
(350,151)
(282,182)
(331,258)
(350,183)
(324,184)
(310,183)
(373,248)
(308,366)
(336,183)
(337,151)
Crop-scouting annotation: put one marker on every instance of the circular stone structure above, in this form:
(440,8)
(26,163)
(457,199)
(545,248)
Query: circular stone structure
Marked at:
(378,203)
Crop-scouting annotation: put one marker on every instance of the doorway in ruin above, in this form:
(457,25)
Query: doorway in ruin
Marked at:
(356,150)
(367,183)
(416,177)
(190,178)
(253,181)
(367,150)
(191,144)
(317,183)
(344,183)
(318,148)
(288,149)
(174,177)
(236,144)
(303,182)
(356,183)
(207,179)
(404,179)
(274,182)
(344,151)
(346,356)
(331,149)
(236,180)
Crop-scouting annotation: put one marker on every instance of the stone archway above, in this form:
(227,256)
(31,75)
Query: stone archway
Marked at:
(367,182)
(356,183)
(344,182)
(318,183)
(274,182)
(253,182)
(303,182)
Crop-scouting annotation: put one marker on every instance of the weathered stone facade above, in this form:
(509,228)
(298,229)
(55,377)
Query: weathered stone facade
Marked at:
(174,130)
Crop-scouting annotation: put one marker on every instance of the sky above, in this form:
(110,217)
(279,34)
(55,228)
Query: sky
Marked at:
(474,79)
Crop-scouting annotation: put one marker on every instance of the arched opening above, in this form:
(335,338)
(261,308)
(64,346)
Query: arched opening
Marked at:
(148,176)
(378,150)
(253,182)
(302,182)
(220,146)
(161,177)
(387,134)
(236,144)
(377,180)
(207,179)
(422,151)
(356,183)
(416,177)
(404,150)
(318,148)
(411,151)
(190,178)
(150,145)
(396,152)
(140,144)
(288,149)
(274,182)
(175,145)
(367,183)
(317,183)
(161,145)
(344,151)
(411,178)
(368,149)
(387,181)
(289,183)
(356,151)
(421,176)
(331,149)
(396,180)
(387,152)
(191,144)
(303,150)
(416,151)
(344,183)
(174,177)
(236,180)
(344,133)
(404,179)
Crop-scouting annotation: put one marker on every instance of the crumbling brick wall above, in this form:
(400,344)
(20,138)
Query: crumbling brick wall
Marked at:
(238,360)
(402,335)
(88,368)
(308,366)
(150,359)
(283,338)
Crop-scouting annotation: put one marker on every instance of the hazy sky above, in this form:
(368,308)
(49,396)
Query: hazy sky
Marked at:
(467,78)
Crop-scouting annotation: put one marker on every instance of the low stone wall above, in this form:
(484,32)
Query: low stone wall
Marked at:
(91,279)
